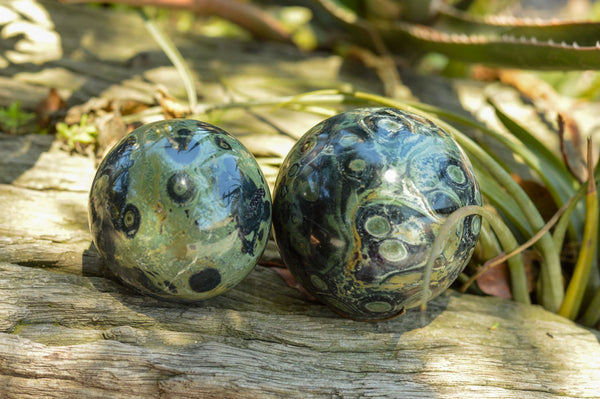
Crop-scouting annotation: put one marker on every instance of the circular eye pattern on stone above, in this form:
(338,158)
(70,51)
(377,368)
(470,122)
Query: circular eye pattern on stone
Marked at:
(349,139)
(378,306)
(377,226)
(357,169)
(203,201)
(385,127)
(293,170)
(476,225)
(130,220)
(181,187)
(456,174)
(392,250)
(308,144)
(386,180)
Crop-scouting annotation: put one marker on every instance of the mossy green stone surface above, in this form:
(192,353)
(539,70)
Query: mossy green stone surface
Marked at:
(180,210)
(358,203)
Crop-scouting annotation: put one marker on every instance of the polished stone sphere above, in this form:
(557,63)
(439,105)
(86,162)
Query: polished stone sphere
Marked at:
(180,210)
(358,203)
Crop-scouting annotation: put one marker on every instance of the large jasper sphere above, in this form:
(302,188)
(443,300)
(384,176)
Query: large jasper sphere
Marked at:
(180,210)
(358,203)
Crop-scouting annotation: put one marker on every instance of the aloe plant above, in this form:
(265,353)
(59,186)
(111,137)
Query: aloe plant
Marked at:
(506,42)
(402,26)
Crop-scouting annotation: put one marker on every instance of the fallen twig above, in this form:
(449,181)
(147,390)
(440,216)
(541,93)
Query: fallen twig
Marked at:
(259,23)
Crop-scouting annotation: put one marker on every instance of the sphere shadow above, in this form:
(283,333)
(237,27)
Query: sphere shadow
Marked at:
(262,291)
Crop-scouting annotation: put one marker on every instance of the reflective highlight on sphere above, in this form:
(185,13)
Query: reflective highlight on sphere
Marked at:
(180,210)
(358,203)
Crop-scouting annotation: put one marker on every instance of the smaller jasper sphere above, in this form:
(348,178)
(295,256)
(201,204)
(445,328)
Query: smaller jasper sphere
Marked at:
(180,210)
(359,201)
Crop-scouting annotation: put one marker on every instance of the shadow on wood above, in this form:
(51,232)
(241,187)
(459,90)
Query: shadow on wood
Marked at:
(67,330)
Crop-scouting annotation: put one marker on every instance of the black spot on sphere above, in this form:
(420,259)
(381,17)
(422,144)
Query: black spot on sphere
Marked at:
(170,286)
(140,278)
(256,200)
(181,187)
(130,220)
(119,186)
(253,210)
(182,139)
(367,274)
(119,157)
(443,204)
(183,146)
(105,238)
(205,280)
(115,167)
(183,132)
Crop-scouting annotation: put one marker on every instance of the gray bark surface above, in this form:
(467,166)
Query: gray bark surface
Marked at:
(68,329)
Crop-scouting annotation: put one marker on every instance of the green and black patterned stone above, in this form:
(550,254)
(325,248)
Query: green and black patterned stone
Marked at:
(358,203)
(180,210)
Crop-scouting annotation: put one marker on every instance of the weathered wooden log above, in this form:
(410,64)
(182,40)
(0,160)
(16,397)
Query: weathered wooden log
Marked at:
(87,337)
(68,329)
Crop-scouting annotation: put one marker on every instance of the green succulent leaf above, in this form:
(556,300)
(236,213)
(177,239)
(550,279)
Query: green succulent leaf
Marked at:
(502,51)
(551,170)
(583,33)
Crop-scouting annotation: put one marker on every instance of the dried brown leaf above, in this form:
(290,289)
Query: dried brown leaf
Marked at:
(540,196)
(48,107)
(289,279)
(496,280)
(572,146)
(170,106)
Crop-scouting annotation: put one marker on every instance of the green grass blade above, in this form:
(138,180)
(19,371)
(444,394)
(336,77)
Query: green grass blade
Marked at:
(171,51)
(501,200)
(591,316)
(587,253)
(551,170)
(585,260)
(505,237)
(552,292)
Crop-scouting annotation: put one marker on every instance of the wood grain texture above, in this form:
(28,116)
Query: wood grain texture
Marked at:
(68,329)
(76,335)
